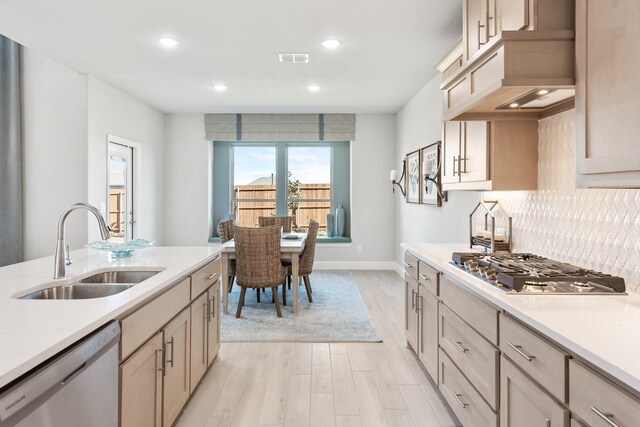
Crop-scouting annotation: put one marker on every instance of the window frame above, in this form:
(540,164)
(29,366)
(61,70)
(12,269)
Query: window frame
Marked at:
(222,179)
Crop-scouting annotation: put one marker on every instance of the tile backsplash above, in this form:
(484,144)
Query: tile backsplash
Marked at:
(591,228)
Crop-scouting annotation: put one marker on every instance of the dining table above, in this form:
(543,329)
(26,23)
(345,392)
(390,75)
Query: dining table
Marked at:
(291,246)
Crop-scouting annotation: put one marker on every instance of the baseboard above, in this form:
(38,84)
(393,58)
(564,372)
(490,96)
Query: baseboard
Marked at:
(357,265)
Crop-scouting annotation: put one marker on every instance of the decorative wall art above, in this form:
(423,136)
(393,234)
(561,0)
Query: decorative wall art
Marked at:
(413,184)
(430,172)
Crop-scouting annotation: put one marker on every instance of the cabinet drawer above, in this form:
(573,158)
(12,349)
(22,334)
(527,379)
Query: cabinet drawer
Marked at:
(465,401)
(474,355)
(428,277)
(411,265)
(594,399)
(477,313)
(139,326)
(205,277)
(537,357)
(524,404)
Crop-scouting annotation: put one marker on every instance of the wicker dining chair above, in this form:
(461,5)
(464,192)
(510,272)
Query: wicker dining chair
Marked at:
(225,231)
(258,262)
(306,262)
(284,221)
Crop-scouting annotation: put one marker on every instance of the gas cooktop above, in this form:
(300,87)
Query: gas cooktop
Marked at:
(527,274)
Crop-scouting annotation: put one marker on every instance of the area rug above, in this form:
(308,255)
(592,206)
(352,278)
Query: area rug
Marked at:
(337,314)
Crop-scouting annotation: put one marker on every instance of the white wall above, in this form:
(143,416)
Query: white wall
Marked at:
(419,124)
(187,188)
(111,111)
(54,129)
(186,204)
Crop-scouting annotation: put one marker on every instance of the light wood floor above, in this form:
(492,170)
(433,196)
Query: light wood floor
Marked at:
(337,384)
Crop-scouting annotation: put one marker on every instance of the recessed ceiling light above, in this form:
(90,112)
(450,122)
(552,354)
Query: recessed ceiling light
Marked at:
(313,88)
(514,105)
(543,91)
(168,42)
(220,88)
(331,43)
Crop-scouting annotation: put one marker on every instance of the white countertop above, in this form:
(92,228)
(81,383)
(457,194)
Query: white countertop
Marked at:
(604,330)
(31,331)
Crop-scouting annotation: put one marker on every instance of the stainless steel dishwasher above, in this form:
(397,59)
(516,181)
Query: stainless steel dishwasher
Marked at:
(76,388)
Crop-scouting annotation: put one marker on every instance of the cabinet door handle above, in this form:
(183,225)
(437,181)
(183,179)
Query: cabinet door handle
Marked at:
(479,28)
(460,346)
(162,362)
(518,348)
(605,416)
(454,165)
(413,299)
(213,307)
(459,399)
(212,276)
(170,360)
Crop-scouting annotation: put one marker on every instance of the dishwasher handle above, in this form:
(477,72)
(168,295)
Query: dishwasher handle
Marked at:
(36,386)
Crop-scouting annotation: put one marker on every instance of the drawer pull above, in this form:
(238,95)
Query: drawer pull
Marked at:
(423,277)
(459,345)
(413,299)
(604,416)
(407,265)
(212,276)
(459,399)
(518,348)
(170,361)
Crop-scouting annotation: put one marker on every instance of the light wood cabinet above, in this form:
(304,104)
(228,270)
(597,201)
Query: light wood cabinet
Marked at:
(607,94)
(428,331)
(473,354)
(141,386)
(176,388)
(475,26)
(464,400)
(199,338)
(490,155)
(524,404)
(535,356)
(411,312)
(598,401)
(213,325)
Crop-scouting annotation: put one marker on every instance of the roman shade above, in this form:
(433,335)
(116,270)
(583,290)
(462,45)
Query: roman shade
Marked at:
(280,127)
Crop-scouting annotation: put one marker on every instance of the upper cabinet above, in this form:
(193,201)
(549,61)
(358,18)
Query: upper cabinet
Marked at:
(607,94)
(490,155)
(515,57)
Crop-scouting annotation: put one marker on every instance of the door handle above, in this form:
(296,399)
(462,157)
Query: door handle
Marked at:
(170,360)
(518,349)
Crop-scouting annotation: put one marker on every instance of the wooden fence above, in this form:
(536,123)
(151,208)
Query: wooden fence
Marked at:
(247,213)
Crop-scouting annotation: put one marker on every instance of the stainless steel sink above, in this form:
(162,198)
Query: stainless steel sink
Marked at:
(78,291)
(119,276)
(97,285)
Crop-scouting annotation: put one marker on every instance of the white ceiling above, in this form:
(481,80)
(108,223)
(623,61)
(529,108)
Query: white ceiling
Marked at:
(388,52)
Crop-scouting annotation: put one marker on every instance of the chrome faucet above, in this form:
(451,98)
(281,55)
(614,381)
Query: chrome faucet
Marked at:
(59,270)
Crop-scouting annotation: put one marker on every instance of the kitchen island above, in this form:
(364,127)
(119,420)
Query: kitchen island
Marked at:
(32,331)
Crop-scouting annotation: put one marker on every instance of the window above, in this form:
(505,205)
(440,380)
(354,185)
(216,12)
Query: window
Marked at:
(304,180)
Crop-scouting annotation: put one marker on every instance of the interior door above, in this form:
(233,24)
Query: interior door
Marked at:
(475,158)
(120,191)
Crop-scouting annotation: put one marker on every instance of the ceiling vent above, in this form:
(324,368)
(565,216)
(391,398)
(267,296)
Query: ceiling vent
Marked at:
(294,58)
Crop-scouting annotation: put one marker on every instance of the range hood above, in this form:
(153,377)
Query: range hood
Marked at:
(528,74)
